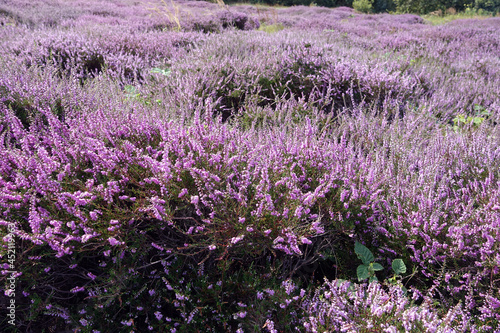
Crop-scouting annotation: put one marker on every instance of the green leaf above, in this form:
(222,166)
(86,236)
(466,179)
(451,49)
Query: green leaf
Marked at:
(478,120)
(485,113)
(362,272)
(373,279)
(398,266)
(363,253)
(161,71)
(377,267)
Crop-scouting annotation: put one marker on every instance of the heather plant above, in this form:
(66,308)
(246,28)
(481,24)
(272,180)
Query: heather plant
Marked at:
(184,186)
(172,14)
(344,306)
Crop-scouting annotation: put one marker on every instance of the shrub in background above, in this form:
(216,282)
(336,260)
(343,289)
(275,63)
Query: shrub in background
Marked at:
(492,6)
(364,6)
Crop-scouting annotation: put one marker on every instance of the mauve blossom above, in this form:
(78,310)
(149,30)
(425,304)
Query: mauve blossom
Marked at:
(114,242)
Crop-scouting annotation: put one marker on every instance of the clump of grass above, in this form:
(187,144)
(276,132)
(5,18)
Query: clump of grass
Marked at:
(271,28)
(172,14)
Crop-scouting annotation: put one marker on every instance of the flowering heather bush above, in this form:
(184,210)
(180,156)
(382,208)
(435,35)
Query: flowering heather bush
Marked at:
(340,306)
(214,177)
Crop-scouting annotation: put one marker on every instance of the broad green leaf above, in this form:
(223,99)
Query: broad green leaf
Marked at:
(362,272)
(363,253)
(398,266)
(373,279)
(377,266)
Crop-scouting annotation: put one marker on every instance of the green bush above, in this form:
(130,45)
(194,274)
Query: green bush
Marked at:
(364,6)
(488,5)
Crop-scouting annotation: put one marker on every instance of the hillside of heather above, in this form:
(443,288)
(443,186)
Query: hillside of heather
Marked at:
(195,167)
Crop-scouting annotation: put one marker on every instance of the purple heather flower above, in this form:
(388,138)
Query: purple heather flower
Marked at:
(235,240)
(183,192)
(77,289)
(304,240)
(114,242)
(241,314)
(127,322)
(93,215)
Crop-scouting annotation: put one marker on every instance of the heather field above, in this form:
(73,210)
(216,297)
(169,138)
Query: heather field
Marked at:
(195,167)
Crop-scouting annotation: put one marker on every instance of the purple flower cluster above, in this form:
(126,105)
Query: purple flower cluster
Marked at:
(157,166)
(341,306)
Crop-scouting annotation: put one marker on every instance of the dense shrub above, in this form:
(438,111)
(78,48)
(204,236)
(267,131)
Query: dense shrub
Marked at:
(364,6)
(211,177)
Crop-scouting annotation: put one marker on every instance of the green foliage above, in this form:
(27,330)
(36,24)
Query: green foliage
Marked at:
(415,6)
(469,7)
(462,121)
(488,5)
(398,266)
(383,6)
(165,72)
(364,6)
(363,253)
(369,267)
(132,93)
